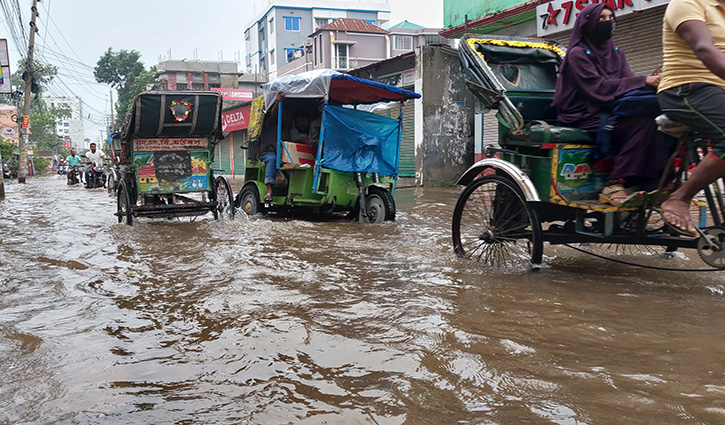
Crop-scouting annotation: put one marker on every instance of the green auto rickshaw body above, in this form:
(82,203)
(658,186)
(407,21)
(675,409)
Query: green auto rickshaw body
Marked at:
(357,153)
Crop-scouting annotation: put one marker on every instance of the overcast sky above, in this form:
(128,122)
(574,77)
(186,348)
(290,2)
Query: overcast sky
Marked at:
(74,34)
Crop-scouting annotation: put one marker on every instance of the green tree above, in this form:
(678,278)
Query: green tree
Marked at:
(124,71)
(42,119)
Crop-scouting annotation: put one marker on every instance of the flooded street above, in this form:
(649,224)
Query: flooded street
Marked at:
(277,321)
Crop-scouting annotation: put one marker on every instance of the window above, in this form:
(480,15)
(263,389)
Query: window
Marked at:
(321,22)
(291,23)
(402,42)
(271,25)
(341,56)
(292,53)
(271,57)
(261,33)
(435,39)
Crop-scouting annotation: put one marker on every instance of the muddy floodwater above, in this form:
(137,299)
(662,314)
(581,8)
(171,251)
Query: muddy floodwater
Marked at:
(267,320)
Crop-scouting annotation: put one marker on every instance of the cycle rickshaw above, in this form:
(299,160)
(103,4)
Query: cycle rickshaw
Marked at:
(165,156)
(539,185)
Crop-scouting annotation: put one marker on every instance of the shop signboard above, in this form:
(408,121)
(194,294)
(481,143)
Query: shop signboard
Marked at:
(235,94)
(559,15)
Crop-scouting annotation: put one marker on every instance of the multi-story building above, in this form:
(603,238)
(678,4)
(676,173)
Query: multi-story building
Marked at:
(69,128)
(277,35)
(196,75)
(346,44)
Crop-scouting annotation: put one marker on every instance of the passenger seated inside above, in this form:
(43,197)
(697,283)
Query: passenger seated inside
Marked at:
(593,75)
(299,133)
(268,144)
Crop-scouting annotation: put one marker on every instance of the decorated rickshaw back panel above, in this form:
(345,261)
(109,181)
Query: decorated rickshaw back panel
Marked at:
(166,165)
(175,114)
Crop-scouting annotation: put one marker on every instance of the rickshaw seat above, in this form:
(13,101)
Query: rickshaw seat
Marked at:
(542,132)
(672,128)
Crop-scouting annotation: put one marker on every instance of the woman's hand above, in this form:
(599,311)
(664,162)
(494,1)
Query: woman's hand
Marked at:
(653,80)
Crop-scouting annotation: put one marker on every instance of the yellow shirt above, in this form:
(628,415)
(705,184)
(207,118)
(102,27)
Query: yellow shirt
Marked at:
(680,65)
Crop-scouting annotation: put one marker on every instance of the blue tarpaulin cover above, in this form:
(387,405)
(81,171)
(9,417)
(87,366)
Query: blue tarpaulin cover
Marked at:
(360,141)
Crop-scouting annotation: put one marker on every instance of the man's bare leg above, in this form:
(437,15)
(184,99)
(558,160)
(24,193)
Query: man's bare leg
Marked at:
(676,209)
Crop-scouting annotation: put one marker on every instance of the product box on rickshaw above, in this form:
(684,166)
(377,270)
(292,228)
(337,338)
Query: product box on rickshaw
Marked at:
(298,154)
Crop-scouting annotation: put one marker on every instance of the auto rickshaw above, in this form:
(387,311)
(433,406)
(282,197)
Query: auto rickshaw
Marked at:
(165,156)
(353,167)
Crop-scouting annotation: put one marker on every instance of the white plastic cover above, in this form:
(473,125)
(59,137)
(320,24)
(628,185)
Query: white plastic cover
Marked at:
(306,84)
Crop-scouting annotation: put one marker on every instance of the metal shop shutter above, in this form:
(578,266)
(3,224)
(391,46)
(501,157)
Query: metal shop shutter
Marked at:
(407,142)
(406,163)
(240,155)
(639,35)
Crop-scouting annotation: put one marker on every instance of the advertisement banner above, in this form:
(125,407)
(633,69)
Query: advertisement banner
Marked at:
(5,84)
(236,119)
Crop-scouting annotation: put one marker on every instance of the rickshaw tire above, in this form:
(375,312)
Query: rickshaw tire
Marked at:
(536,242)
(387,200)
(123,197)
(250,193)
(222,181)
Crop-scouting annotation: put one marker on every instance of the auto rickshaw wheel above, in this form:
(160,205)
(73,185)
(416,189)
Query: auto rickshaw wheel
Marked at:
(380,205)
(249,200)
(493,224)
(123,198)
(224,199)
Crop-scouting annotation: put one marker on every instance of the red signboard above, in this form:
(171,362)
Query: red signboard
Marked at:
(26,121)
(236,119)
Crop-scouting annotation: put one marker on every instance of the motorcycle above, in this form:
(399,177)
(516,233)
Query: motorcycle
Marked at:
(113,177)
(96,176)
(75,174)
(62,169)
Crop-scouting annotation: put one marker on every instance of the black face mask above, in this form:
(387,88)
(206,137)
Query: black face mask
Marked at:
(604,30)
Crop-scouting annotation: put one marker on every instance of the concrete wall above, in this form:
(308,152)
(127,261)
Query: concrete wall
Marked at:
(456,11)
(444,123)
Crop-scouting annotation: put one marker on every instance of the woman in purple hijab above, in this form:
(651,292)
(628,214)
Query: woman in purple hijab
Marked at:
(593,74)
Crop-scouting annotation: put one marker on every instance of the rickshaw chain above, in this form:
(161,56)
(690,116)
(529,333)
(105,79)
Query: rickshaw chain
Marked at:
(627,263)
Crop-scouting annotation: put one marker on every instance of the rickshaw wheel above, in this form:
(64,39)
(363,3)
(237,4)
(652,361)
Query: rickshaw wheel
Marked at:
(224,198)
(380,205)
(249,200)
(111,183)
(493,224)
(123,197)
(714,258)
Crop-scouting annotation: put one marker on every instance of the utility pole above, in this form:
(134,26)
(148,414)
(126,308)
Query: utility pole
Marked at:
(24,142)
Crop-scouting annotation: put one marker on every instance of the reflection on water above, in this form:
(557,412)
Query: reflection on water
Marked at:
(275,321)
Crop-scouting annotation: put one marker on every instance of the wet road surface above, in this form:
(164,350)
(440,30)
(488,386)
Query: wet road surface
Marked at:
(278,321)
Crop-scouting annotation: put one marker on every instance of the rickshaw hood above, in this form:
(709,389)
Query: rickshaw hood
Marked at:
(342,88)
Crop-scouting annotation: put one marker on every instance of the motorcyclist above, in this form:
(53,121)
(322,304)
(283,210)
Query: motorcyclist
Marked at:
(94,157)
(71,161)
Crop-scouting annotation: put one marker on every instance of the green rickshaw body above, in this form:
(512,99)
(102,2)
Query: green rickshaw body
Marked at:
(357,153)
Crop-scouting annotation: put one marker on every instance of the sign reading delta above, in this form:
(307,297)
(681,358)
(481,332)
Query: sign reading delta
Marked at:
(236,119)
(559,15)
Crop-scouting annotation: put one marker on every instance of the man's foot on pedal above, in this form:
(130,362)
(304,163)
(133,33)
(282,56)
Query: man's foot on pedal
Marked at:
(676,213)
